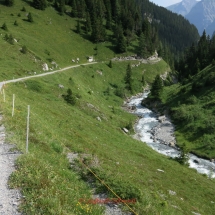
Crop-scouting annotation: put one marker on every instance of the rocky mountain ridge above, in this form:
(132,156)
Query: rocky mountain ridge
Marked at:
(200,13)
(183,8)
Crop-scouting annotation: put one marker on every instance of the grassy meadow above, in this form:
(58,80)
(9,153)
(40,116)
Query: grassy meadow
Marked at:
(128,166)
(192,108)
(47,181)
(50,37)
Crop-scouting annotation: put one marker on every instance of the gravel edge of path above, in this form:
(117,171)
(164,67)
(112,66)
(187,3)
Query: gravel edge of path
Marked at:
(9,198)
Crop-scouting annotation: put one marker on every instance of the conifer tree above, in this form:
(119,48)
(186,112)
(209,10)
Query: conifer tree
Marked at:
(40,4)
(74,12)
(142,52)
(61,7)
(78,27)
(110,64)
(98,31)
(128,78)
(24,49)
(30,18)
(11,39)
(143,80)
(16,23)
(69,97)
(197,66)
(108,14)
(88,25)
(4,27)
(121,44)
(157,87)
(9,3)
(23,9)
(116,11)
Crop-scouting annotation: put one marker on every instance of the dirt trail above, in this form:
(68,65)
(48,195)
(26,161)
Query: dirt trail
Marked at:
(9,198)
(43,74)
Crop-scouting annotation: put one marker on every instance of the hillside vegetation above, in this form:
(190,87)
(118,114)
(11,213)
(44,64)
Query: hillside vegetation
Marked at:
(49,38)
(192,107)
(191,101)
(128,166)
(79,111)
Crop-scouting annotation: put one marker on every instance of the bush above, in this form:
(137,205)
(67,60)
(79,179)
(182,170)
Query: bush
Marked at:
(183,155)
(10,39)
(4,27)
(30,18)
(16,23)
(9,3)
(23,9)
(69,98)
(34,85)
(120,92)
(24,50)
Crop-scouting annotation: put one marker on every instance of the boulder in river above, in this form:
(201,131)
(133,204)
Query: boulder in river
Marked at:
(161,119)
(195,161)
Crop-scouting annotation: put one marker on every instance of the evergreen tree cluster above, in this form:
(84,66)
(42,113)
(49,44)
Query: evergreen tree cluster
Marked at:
(196,57)
(9,3)
(174,31)
(157,87)
(129,20)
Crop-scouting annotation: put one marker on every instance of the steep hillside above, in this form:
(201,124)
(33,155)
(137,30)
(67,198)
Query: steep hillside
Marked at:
(49,38)
(128,166)
(79,111)
(173,29)
(192,107)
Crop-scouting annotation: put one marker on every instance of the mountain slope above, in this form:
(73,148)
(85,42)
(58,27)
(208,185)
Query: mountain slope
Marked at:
(202,15)
(182,8)
(173,30)
(192,108)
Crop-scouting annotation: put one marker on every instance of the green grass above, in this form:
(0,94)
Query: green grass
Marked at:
(50,37)
(128,166)
(48,183)
(192,108)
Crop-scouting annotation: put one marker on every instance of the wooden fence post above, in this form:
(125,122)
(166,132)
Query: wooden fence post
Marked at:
(13,105)
(27,135)
(3,95)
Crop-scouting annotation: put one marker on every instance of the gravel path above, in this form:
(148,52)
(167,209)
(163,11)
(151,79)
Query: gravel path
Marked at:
(9,199)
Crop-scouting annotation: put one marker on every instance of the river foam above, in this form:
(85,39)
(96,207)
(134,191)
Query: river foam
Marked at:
(143,128)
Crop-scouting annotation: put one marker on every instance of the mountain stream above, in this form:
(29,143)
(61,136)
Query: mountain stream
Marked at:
(147,127)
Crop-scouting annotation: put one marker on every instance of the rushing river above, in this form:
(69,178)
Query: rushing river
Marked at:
(143,129)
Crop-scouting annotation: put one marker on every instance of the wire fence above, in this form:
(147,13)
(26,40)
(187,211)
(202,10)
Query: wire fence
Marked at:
(34,117)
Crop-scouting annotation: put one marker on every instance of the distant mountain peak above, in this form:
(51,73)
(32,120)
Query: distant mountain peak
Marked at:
(183,7)
(202,15)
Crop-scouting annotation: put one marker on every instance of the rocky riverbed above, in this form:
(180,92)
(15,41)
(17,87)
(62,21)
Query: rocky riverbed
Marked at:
(158,133)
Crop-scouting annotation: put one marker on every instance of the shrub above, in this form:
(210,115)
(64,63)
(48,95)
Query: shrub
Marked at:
(120,92)
(30,18)
(183,155)
(4,27)
(23,9)
(16,23)
(69,98)
(24,49)
(110,64)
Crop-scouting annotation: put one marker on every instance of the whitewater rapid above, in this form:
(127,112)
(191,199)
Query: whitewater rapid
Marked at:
(143,127)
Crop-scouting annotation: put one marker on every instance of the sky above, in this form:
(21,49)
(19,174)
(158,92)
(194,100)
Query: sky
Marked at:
(165,3)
